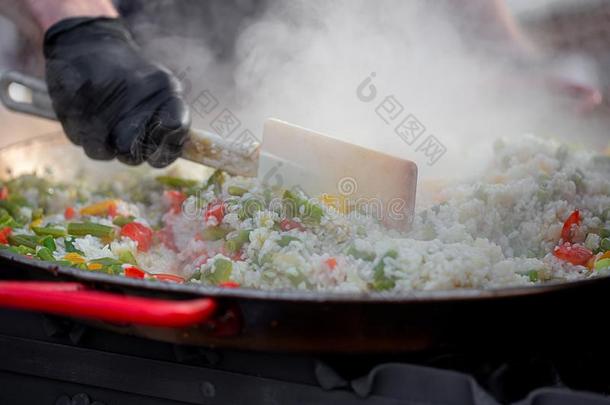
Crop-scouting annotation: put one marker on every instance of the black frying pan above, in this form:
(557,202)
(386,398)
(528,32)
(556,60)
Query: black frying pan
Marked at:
(314,321)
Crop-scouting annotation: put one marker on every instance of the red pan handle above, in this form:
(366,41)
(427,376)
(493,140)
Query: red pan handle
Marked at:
(74,299)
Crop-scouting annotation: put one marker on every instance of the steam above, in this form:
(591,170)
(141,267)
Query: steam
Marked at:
(302,61)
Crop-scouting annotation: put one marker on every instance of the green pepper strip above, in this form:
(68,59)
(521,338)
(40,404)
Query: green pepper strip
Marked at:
(309,214)
(380,280)
(237,191)
(176,181)
(89,228)
(235,244)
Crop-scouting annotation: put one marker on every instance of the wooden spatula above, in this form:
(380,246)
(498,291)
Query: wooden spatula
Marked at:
(349,177)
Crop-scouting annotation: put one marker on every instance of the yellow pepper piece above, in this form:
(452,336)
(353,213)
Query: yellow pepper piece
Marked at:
(101,208)
(95,266)
(606,255)
(338,202)
(74,258)
(36,224)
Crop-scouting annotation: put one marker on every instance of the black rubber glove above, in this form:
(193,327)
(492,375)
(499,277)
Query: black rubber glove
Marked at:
(109,98)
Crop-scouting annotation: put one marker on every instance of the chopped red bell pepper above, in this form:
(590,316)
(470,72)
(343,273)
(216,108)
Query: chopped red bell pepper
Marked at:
(3,193)
(139,233)
(229,284)
(172,278)
(69,213)
(331,263)
(288,224)
(576,254)
(176,199)
(112,210)
(134,272)
(4,234)
(567,232)
(166,237)
(215,209)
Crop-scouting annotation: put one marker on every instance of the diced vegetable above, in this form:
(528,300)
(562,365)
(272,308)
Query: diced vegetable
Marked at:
(215,210)
(102,208)
(6,219)
(4,192)
(212,233)
(74,258)
(602,264)
(4,234)
(176,182)
(221,271)
(140,233)
(604,244)
(289,224)
(250,207)
(573,253)
(237,191)
(69,213)
(48,242)
(127,257)
(23,240)
(380,280)
(567,232)
(286,239)
(121,220)
(331,263)
(134,272)
(229,284)
(533,275)
(172,278)
(45,254)
(216,181)
(94,266)
(296,206)
(69,243)
(49,231)
(235,243)
(359,254)
(175,199)
(90,228)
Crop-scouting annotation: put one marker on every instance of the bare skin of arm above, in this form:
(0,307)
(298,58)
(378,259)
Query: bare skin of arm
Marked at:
(34,17)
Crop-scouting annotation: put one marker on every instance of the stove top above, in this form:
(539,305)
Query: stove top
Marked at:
(50,360)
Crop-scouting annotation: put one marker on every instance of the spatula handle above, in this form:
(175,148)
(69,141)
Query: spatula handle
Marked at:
(236,158)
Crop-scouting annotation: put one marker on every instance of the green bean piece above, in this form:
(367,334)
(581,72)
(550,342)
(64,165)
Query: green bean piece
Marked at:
(69,243)
(13,209)
(48,242)
(234,244)
(90,228)
(296,206)
(22,250)
(250,207)
(6,220)
(122,220)
(107,261)
(359,254)
(533,275)
(213,233)
(127,257)
(23,240)
(221,271)
(176,182)
(286,239)
(237,191)
(49,231)
(45,254)
(382,282)
(216,180)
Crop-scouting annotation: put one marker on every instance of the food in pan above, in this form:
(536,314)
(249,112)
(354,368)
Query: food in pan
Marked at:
(540,213)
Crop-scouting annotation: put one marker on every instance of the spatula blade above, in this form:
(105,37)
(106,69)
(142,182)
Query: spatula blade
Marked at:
(338,172)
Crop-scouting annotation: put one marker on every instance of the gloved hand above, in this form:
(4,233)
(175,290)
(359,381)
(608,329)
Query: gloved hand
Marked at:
(109,98)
